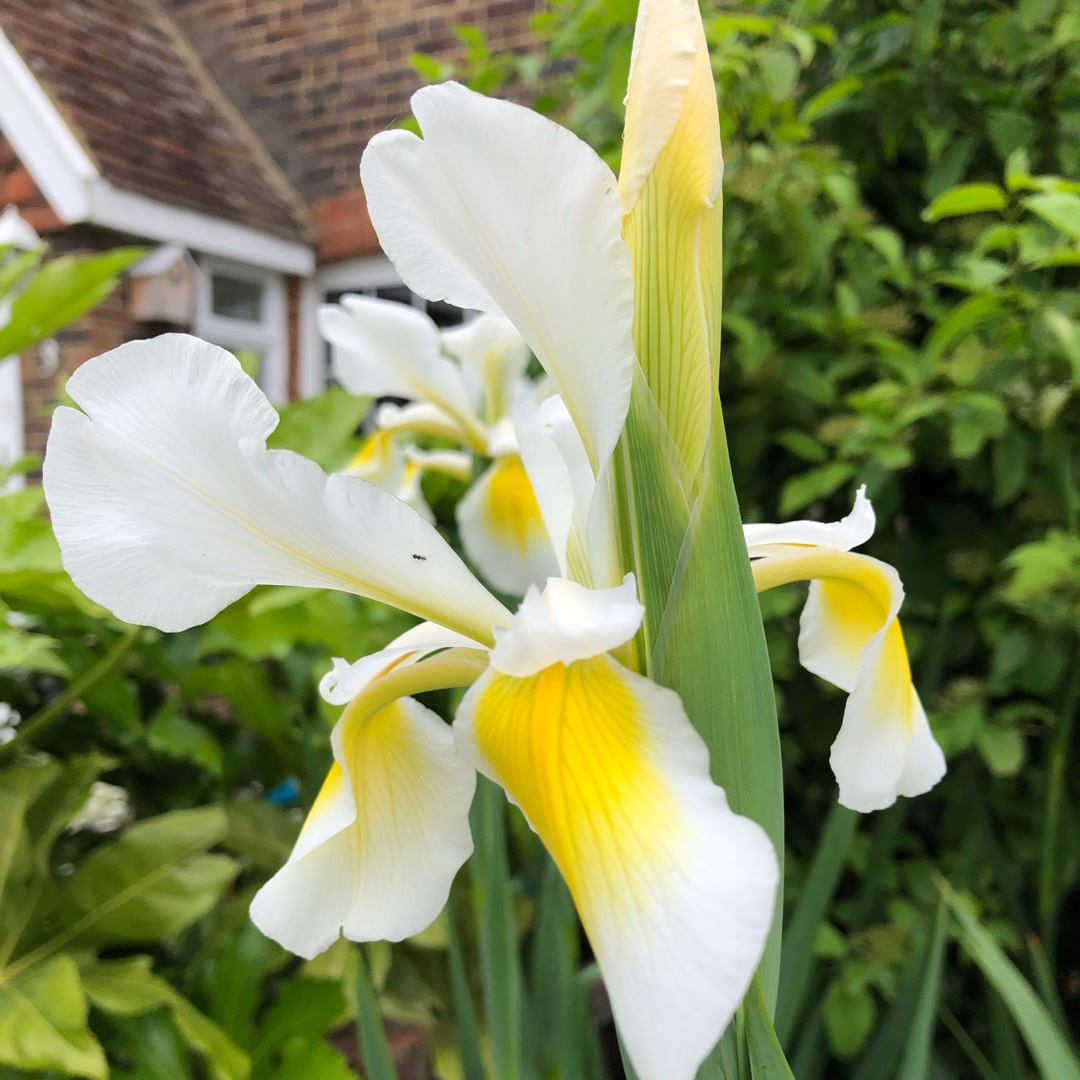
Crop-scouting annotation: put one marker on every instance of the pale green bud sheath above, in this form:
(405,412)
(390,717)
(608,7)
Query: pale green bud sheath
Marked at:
(669,184)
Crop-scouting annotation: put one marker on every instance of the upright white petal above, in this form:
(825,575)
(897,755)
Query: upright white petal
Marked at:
(491,348)
(168,505)
(386,349)
(576,506)
(499,209)
(384,839)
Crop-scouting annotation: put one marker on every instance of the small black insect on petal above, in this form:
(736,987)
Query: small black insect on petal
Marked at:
(420,558)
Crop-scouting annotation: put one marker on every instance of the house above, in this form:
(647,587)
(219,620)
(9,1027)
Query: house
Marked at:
(224,135)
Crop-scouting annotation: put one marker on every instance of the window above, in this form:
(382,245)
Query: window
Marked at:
(242,308)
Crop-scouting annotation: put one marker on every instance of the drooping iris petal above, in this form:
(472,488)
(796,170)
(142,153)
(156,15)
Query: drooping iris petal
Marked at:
(502,530)
(672,167)
(384,839)
(346,681)
(483,212)
(850,635)
(675,891)
(496,354)
(168,505)
(843,535)
(420,418)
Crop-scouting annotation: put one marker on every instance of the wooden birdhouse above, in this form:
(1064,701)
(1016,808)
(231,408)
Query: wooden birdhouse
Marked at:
(163,287)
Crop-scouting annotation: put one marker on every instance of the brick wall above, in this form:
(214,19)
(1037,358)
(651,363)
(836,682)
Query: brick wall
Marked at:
(317,78)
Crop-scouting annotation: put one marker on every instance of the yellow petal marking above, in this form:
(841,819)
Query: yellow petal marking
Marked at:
(569,746)
(855,598)
(510,509)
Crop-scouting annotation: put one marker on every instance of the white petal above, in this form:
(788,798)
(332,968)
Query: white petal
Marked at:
(675,891)
(566,622)
(576,507)
(168,506)
(843,535)
(423,418)
(382,871)
(492,348)
(502,530)
(387,349)
(346,681)
(850,635)
(499,209)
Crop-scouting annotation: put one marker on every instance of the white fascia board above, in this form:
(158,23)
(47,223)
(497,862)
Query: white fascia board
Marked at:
(41,139)
(369,272)
(140,216)
(73,187)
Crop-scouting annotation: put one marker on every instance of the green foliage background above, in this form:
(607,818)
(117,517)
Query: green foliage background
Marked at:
(901,271)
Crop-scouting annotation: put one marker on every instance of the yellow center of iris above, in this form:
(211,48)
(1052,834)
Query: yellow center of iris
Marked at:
(512,510)
(570,747)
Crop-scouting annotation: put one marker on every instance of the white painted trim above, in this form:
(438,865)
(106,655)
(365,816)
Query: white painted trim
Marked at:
(78,193)
(140,216)
(269,335)
(312,351)
(43,142)
(369,272)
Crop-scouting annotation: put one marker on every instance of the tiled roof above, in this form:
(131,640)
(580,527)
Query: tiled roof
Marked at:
(148,113)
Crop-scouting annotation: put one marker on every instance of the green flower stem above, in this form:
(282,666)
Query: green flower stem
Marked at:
(77,689)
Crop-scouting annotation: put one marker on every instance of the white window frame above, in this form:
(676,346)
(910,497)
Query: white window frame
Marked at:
(269,335)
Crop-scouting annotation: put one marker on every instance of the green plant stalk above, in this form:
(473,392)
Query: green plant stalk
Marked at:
(374,1047)
(77,689)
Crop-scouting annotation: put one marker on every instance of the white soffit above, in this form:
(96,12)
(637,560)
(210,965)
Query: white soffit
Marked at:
(77,192)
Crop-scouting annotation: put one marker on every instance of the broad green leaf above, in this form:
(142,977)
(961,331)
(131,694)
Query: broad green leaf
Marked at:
(304,1011)
(1053,1055)
(176,736)
(265,833)
(312,1061)
(322,428)
(966,199)
(814,484)
(15,267)
(711,650)
(780,70)
(1058,208)
(43,1022)
(130,988)
(30,652)
(151,882)
(850,1013)
(59,293)
(22,864)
